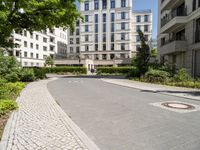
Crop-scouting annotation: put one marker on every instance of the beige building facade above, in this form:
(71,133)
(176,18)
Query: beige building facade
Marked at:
(179,34)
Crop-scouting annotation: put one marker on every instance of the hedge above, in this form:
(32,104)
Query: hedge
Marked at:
(115,70)
(76,70)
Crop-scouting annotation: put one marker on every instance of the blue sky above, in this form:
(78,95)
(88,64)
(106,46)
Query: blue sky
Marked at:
(148,4)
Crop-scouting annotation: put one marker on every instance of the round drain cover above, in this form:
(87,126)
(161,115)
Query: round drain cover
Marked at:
(177,105)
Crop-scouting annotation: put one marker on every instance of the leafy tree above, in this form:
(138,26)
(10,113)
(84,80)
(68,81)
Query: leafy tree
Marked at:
(49,61)
(154,53)
(143,55)
(35,15)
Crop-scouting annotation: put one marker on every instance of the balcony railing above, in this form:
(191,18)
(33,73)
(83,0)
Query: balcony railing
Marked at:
(172,40)
(172,15)
(197,36)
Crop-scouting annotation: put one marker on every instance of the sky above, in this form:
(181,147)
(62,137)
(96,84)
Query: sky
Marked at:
(148,4)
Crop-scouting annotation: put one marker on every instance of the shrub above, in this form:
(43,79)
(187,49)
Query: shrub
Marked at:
(12,77)
(74,70)
(6,106)
(182,75)
(27,75)
(134,72)
(114,70)
(39,73)
(157,76)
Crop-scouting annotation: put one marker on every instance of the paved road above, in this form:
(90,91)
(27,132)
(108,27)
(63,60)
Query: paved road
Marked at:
(120,118)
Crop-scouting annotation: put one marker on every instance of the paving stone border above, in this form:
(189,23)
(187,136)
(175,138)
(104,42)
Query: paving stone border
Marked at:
(40,124)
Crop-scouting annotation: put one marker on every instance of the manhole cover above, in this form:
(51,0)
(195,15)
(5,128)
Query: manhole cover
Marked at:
(176,105)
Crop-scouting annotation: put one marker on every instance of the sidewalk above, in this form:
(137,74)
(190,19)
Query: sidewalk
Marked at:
(40,124)
(148,87)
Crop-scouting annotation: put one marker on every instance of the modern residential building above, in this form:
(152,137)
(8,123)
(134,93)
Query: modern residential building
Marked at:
(179,34)
(33,48)
(108,35)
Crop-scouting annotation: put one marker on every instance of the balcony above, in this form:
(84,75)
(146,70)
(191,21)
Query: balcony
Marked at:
(176,46)
(173,21)
(169,4)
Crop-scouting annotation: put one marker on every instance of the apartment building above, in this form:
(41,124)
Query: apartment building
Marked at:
(108,35)
(179,34)
(33,48)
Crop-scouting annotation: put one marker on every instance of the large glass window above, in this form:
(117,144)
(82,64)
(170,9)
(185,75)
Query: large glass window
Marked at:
(86,28)
(123,15)
(122,36)
(86,18)
(138,18)
(146,18)
(86,5)
(112,17)
(96,28)
(96,4)
(96,38)
(104,4)
(112,3)
(112,37)
(123,26)
(112,27)
(104,17)
(123,3)
(96,18)
(104,27)
(123,46)
(104,37)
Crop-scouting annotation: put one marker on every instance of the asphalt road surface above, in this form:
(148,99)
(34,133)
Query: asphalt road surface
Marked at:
(121,118)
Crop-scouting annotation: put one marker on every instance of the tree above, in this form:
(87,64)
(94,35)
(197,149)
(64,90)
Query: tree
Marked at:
(143,55)
(35,15)
(49,61)
(154,53)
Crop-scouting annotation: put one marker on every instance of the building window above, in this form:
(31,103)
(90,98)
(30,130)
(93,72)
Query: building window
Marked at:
(112,46)
(77,41)
(37,56)
(37,37)
(71,41)
(31,55)
(86,48)
(112,3)
(104,47)
(137,47)
(104,56)
(37,46)
(104,37)
(104,27)
(86,5)
(45,40)
(96,47)
(96,38)
(146,18)
(96,4)
(86,38)
(96,28)
(123,15)
(31,35)
(104,4)
(197,34)
(112,56)
(17,54)
(31,45)
(112,17)
(137,38)
(86,18)
(112,27)
(44,48)
(138,18)
(122,46)
(104,17)
(146,28)
(44,56)
(77,50)
(112,37)
(25,43)
(146,37)
(96,18)
(77,31)
(138,28)
(25,54)
(86,28)
(71,49)
(52,48)
(123,26)
(71,33)
(123,3)
(122,36)
(25,33)
(77,23)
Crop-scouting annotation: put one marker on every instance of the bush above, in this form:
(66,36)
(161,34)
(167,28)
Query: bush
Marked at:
(27,75)
(39,73)
(12,77)
(157,76)
(114,70)
(182,75)
(74,70)
(6,106)
(134,72)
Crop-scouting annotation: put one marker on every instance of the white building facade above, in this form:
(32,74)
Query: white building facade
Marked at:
(109,31)
(33,48)
(179,34)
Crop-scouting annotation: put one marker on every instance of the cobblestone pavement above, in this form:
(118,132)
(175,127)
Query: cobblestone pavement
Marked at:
(40,124)
(168,90)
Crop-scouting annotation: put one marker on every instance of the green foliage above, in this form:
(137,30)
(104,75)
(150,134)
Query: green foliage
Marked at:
(27,75)
(74,70)
(182,75)
(114,70)
(35,15)
(157,76)
(49,61)
(154,53)
(39,73)
(143,55)
(12,77)
(6,106)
